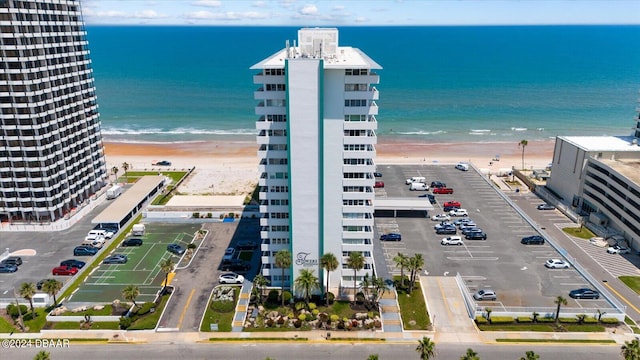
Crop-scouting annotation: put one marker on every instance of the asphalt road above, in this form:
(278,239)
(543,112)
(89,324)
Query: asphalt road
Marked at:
(311,351)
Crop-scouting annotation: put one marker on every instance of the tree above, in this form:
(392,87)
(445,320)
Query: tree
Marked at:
(260,282)
(329,263)
(166,266)
(373,357)
(379,288)
(523,144)
(27,290)
(631,350)
(416,263)
(530,355)
(488,311)
(426,348)
(51,287)
(306,282)
(365,285)
(470,355)
(125,167)
(42,355)
(283,261)
(130,293)
(356,262)
(559,301)
(114,171)
(600,314)
(535,317)
(401,261)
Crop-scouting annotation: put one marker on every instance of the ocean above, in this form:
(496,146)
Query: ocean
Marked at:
(439,84)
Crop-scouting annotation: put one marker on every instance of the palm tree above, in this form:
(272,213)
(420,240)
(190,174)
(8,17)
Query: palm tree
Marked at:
(283,261)
(426,348)
(488,311)
(416,263)
(559,301)
(114,171)
(470,355)
(329,263)
(401,261)
(51,287)
(365,284)
(631,350)
(523,143)
(43,355)
(373,357)
(307,282)
(130,293)
(125,167)
(530,355)
(27,290)
(535,316)
(260,282)
(380,287)
(166,266)
(356,262)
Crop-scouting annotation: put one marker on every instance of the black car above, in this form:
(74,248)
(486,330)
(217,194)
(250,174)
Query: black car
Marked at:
(73,263)
(247,245)
(447,230)
(584,293)
(12,260)
(377,174)
(85,250)
(175,249)
(432,199)
(132,242)
(235,265)
(391,237)
(41,282)
(469,230)
(163,163)
(7,268)
(476,236)
(438,184)
(532,240)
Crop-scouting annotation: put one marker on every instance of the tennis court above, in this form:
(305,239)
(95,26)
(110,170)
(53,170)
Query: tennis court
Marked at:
(142,269)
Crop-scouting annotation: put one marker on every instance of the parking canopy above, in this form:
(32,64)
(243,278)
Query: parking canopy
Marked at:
(405,205)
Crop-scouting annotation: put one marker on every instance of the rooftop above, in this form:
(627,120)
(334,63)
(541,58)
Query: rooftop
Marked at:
(629,168)
(604,143)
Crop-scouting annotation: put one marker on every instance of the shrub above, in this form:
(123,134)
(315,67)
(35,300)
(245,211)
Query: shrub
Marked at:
(195,215)
(370,315)
(302,317)
(290,315)
(221,216)
(609,321)
(209,215)
(546,320)
(360,297)
(125,322)
(312,306)
(191,246)
(299,305)
(223,306)
(502,319)
(12,310)
(287,296)
(568,320)
(334,318)
(315,312)
(231,215)
(480,320)
(332,297)
(590,320)
(145,308)
(524,319)
(273,295)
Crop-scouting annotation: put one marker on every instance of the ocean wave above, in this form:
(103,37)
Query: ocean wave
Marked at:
(178,131)
(518,129)
(420,132)
(480,130)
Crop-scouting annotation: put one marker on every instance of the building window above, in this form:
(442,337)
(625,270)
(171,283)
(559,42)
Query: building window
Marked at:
(355,103)
(356,71)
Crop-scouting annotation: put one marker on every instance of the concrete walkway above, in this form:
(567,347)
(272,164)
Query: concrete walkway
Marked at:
(390,312)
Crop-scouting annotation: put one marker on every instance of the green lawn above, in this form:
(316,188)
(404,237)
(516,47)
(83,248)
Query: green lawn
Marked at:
(150,320)
(223,319)
(74,325)
(413,309)
(6,327)
(633,282)
(575,231)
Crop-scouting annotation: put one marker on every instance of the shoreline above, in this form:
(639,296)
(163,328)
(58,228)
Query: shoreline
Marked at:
(231,167)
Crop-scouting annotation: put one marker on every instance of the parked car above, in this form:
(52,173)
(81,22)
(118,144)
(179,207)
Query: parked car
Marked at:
(485,294)
(532,240)
(230,278)
(116,259)
(12,260)
(378,184)
(420,179)
(617,249)
(442,224)
(452,240)
(452,204)
(377,174)
(458,212)
(546,207)
(432,199)
(228,253)
(40,283)
(464,220)
(95,233)
(440,217)
(438,184)
(73,263)
(64,270)
(85,250)
(443,190)
(162,163)
(7,268)
(175,249)
(391,237)
(556,264)
(469,230)
(132,242)
(584,293)
(247,245)
(476,235)
(598,241)
(462,166)
(235,265)
(467,224)
(447,231)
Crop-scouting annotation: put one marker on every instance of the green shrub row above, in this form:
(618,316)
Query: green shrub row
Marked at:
(502,319)
(498,320)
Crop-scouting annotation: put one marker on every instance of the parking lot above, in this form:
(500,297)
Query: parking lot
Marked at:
(515,271)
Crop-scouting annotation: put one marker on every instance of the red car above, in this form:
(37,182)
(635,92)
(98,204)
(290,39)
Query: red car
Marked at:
(443,190)
(64,270)
(452,204)
(378,184)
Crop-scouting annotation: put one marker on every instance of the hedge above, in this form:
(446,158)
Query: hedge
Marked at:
(502,319)
(568,320)
(590,320)
(546,320)
(524,319)
(609,321)
(481,320)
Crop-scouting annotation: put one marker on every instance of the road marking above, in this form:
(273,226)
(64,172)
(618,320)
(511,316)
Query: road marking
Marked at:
(186,306)
(622,297)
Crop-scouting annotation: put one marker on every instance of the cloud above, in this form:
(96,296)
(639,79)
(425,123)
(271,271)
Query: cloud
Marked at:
(309,10)
(225,16)
(361,19)
(207,3)
(148,14)
(337,8)
(259,4)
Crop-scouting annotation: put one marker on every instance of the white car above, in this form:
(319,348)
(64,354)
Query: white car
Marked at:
(230,278)
(458,212)
(485,294)
(556,264)
(617,249)
(440,217)
(94,234)
(598,241)
(452,240)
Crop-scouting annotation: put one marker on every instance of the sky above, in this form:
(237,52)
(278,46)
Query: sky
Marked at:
(360,12)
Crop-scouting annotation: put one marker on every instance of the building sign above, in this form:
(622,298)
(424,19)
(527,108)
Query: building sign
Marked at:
(302,259)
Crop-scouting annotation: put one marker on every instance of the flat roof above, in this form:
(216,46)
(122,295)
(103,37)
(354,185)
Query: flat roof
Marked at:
(129,199)
(347,58)
(402,204)
(212,201)
(604,143)
(629,168)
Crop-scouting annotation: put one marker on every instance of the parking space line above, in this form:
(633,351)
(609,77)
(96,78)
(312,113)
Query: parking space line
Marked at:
(472,258)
